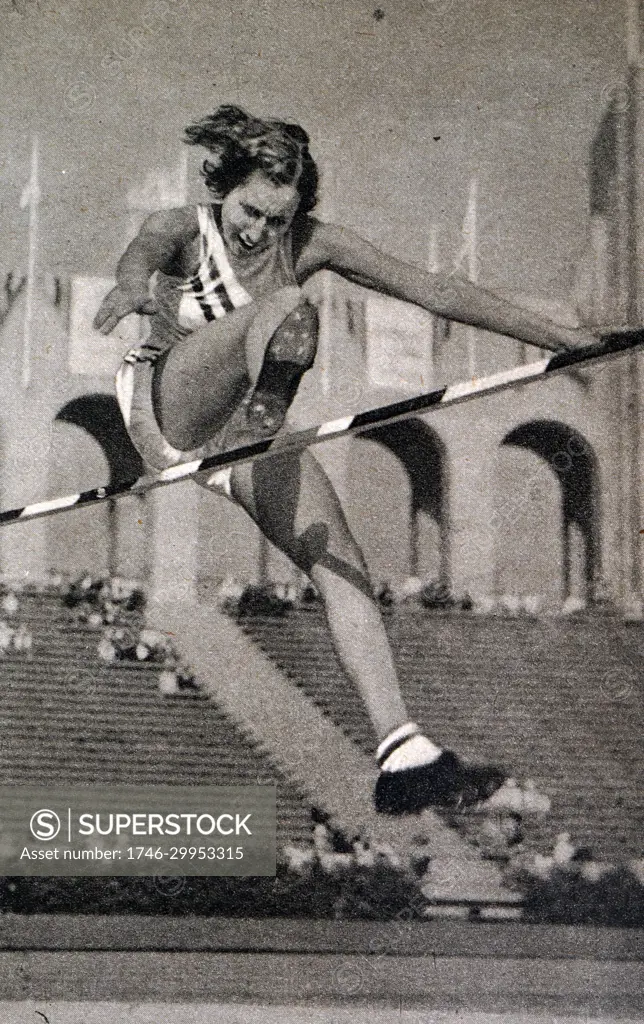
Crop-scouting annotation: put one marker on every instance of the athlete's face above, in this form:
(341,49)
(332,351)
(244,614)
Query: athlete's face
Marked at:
(256,214)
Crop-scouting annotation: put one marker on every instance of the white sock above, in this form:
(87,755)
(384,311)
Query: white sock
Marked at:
(406,747)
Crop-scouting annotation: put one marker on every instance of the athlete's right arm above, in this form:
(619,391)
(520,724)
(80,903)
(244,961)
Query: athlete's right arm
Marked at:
(156,247)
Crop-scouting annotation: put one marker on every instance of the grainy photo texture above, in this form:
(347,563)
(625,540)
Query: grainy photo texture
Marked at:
(321,595)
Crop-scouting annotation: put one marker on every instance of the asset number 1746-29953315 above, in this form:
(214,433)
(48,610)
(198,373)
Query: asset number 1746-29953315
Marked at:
(185,853)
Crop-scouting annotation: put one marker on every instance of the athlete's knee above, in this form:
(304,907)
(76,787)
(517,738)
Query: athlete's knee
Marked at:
(271,314)
(295,340)
(289,354)
(328,559)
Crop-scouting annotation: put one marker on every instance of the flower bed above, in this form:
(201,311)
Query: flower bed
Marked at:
(318,881)
(115,607)
(100,601)
(332,879)
(413,593)
(15,637)
(580,892)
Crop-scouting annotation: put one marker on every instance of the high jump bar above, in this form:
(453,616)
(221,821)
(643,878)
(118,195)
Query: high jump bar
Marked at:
(607,346)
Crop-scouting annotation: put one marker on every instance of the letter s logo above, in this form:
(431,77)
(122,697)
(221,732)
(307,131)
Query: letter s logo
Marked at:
(44,825)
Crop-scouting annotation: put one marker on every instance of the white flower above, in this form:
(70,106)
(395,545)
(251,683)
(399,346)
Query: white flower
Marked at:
(364,855)
(22,639)
(150,637)
(563,851)
(322,839)
(107,651)
(408,590)
(229,594)
(299,861)
(541,866)
(532,604)
(511,798)
(95,620)
(594,870)
(118,589)
(388,854)
(6,636)
(142,652)
(336,863)
(573,605)
(510,603)
(637,868)
(492,837)
(10,603)
(168,683)
(286,592)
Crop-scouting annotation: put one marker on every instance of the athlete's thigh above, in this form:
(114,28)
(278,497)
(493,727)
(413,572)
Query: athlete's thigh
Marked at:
(200,380)
(203,377)
(295,505)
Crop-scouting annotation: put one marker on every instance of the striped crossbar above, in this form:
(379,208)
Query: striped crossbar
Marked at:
(607,346)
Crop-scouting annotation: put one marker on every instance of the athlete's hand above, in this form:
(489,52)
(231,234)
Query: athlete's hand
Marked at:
(120,303)
(576,337)
(568,339)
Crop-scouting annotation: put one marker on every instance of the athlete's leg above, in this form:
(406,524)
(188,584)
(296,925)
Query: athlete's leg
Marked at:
(203,377)
(292,501)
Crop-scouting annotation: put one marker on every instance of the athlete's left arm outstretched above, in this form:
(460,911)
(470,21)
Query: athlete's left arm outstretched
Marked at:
(330,247)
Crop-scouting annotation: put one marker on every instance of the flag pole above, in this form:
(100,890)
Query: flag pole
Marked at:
(473,269)
(633,410)
(30,199)
(438,323)
(325,309)
(467,260)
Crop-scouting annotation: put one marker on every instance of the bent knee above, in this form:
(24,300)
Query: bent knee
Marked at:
(192,404)
(271,312)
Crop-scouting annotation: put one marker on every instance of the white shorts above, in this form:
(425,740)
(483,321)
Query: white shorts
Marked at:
(134,395)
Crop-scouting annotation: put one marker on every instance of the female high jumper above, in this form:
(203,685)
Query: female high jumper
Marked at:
(231,337)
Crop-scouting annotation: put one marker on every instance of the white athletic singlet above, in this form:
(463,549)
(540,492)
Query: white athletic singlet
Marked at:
(215,289)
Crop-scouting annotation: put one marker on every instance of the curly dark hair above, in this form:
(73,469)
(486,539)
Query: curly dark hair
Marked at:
(241,144)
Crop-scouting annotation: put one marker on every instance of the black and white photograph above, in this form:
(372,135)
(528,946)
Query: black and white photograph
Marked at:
(321,512)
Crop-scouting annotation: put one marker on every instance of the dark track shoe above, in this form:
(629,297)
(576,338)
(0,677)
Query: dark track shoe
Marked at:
(446,782)
(289,354)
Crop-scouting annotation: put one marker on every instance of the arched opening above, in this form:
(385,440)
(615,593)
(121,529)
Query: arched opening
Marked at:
(413,492)
(568,468)
(100,416)
(106,534)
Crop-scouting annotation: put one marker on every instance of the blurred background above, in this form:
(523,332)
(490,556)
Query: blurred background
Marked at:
(503,142)
(499,142)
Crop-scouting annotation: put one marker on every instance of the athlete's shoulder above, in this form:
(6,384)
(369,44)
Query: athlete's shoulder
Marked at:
(176,222)
(314,243)
(323,245)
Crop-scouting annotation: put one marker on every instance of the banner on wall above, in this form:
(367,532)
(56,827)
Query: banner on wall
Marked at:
(399,342)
